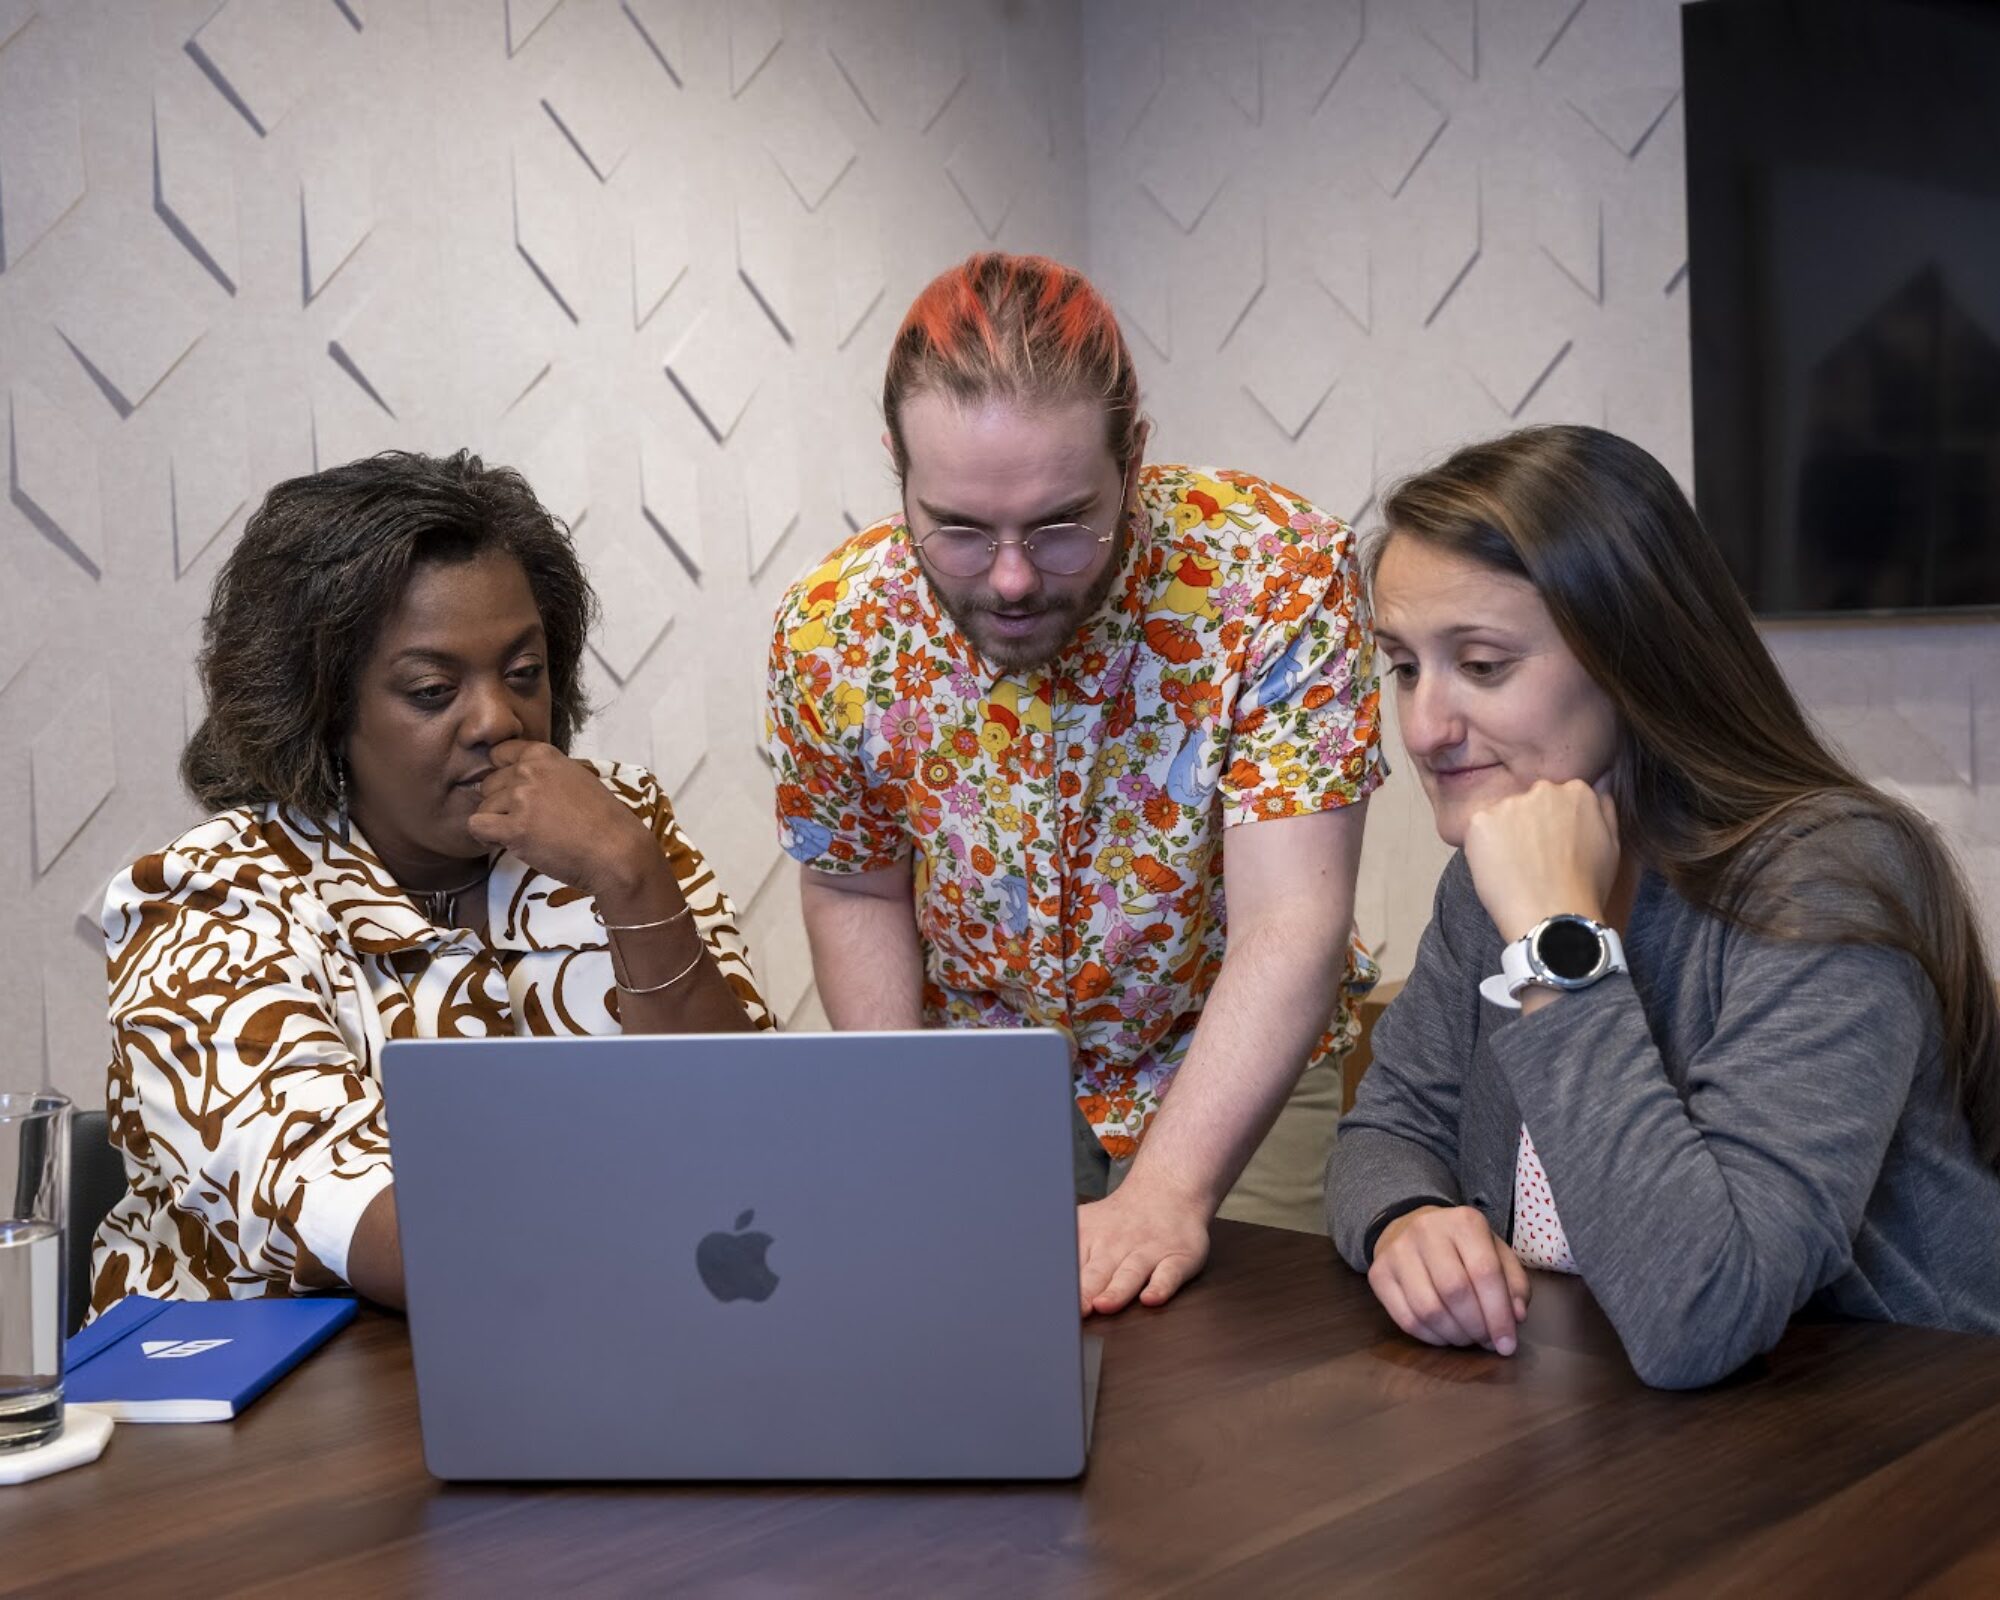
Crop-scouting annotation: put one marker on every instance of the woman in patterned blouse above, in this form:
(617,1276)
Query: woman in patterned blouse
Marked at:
(401,849)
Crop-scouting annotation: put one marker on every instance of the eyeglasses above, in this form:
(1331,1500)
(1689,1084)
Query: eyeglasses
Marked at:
(1061,549)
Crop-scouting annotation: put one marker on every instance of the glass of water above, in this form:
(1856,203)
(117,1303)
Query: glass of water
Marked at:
(34,1189)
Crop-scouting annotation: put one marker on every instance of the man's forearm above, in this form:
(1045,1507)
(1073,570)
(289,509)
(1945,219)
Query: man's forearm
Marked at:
(1279,984)
(867,961)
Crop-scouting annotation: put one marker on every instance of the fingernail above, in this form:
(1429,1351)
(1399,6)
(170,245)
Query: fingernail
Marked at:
(1520,1311)
(1505,1346)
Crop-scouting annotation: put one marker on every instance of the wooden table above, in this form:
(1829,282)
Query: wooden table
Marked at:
(1269,1433)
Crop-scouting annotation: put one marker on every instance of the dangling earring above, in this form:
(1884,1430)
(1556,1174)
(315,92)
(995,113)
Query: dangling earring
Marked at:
(340,789)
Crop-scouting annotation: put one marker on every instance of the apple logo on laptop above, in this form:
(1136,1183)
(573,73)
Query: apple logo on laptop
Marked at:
(732,1265)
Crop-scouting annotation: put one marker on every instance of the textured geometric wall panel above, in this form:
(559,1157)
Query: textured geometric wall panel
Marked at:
(41,145)
(653,251)
(650,252)
(52,476)
(73,766)
(1351,234)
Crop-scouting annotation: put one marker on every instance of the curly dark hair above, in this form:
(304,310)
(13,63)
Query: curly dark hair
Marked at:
(299,603)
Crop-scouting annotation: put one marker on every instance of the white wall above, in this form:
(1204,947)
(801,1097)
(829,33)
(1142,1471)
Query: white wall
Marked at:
(238,241)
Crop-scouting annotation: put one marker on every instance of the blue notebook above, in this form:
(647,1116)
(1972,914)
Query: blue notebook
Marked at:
(193,1360)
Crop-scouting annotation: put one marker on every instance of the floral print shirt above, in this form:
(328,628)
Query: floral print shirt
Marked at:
(1067,823)
(258,964)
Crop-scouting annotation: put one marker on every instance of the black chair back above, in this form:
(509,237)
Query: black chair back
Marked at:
(96,1184)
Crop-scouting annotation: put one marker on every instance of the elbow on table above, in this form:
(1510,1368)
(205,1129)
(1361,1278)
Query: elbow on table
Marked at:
(1680,1368)
(1703,1339)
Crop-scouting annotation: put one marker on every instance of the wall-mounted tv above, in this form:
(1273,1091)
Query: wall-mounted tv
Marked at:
(1843,175)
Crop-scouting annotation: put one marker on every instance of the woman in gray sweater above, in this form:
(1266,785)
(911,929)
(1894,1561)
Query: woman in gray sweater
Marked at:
(1700,1015)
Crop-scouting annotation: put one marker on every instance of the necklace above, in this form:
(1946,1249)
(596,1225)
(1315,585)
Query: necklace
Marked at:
(441,905)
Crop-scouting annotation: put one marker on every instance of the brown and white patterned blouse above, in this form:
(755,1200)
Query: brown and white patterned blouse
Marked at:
(258,964)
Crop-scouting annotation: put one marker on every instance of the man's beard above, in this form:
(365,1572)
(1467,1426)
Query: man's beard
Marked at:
(1066,618)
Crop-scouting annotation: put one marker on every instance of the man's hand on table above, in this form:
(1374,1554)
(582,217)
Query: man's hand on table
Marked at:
(1142,1241)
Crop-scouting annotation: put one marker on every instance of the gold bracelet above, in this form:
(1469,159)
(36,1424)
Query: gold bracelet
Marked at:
(641,927)
(627,988)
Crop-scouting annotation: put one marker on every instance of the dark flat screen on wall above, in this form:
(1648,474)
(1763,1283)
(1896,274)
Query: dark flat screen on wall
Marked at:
(1843,165)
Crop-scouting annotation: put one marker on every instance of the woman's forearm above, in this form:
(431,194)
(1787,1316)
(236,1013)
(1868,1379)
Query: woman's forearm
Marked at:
(375,1256)
(1703,1218)
(667,980)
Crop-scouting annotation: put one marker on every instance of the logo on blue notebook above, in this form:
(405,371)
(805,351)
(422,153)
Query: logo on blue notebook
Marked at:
(178,1349)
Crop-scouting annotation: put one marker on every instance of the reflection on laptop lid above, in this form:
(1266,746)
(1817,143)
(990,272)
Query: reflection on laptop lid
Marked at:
(807,1256)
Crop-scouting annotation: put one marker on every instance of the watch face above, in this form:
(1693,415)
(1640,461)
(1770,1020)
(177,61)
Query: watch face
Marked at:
(1569,947)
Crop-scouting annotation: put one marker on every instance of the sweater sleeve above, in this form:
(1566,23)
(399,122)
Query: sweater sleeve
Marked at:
(1401,1138)
(1703,1220)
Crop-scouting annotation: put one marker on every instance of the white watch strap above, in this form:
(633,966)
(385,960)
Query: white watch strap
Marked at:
(1517,972)
(1499,990)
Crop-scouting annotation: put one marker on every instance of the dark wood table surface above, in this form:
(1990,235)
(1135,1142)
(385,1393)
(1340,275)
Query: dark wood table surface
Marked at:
(1269,1433)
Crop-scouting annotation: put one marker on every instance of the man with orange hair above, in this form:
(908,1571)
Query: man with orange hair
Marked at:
(1013,726)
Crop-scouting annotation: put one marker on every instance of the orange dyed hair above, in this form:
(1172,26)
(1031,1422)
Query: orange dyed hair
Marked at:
(1022,327)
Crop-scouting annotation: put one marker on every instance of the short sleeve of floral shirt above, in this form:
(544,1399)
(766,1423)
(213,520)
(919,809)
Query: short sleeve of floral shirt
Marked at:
(1303,733)
(828,672)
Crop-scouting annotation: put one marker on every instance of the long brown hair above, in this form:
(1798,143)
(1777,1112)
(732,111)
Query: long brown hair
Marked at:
(1720,779)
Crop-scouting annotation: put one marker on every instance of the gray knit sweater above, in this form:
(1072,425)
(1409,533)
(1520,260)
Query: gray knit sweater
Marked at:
(1743,1127)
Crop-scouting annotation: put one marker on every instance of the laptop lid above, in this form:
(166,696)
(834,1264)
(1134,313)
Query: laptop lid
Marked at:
(808,1256)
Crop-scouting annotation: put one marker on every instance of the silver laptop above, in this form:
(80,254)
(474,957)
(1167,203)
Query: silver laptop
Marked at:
(805,1256)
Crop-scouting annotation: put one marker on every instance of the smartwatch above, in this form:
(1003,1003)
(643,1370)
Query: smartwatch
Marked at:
(1562,952)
